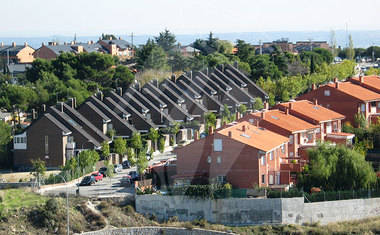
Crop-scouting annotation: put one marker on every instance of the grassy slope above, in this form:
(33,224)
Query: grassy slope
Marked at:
(18,205)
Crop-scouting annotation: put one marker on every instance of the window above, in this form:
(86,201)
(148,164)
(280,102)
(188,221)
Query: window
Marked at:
(251,120)
(378,105)
(283,148)
(362,108)
(335,126)
(327,92)
(318,130)
(221,179)
(291,154)
(218,145)
(219,160)
(263,179)
(46,144)
(291,138)
(271,155)
(271,179)
(373,104)
(70,139)
(262,160)
(277,177)
(209,159)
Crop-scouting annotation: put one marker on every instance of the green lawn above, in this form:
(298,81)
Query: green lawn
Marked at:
(18,198)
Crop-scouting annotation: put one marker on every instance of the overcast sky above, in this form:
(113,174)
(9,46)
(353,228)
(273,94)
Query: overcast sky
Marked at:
(92,17)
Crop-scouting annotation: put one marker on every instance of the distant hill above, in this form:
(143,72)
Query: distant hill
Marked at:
(361,38)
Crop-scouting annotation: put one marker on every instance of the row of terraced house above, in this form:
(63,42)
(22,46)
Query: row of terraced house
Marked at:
(268,148)
(61,131)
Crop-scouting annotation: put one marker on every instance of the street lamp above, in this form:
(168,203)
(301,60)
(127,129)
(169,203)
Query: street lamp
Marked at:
(67,205)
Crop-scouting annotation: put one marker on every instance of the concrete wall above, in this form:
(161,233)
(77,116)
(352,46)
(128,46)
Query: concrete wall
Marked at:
(156,231)
(232,211)
(250,211)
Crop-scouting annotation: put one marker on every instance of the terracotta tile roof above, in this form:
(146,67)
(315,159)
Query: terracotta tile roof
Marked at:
(253,136)
(356,91)
(312,111)
(340,134)
(372,81)
(285,121)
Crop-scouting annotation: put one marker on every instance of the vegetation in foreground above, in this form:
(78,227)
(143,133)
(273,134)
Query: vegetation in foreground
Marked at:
(23,212)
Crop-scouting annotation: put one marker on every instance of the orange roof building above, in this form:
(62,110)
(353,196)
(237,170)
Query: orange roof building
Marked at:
(370,82)
(347,98)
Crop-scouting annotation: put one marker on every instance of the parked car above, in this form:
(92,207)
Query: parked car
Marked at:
(126,181)
(88,180)
(134,175)
(97,175)
(126,164)
(117,168)
(103,171)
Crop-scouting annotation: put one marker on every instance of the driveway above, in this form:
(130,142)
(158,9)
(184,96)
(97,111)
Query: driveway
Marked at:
(109,186)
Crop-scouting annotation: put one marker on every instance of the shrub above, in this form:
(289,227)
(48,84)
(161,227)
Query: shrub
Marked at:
(161,144)
(188,225)
(200,222)
(129,210)
(173,219)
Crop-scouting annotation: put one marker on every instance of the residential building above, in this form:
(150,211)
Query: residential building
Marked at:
(54,49)
(300,132)
(241,154)
(119,47)
(346,98)
(16,54)
(187,50)
(329,121)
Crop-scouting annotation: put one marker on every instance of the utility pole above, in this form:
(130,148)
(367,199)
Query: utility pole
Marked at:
(261,47)
(311,44)
(7,56)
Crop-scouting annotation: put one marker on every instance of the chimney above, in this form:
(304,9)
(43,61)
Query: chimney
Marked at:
(25,44)
(155,82)
(173,78)
(337,85)
(191,74)
(195,135)
(110,38)
(263,115)
(13,44)
(207,71)
(361,78)
(290,106)
(120,91)
(230,134)
(72,103)
(222,68)
(315,101)
(100,96)
(42,44)
(44,108)
(236,64)
(210,130)
(237,115)
(61,106)
(34,114)
(75,102)
(243,128)
(286,111)
(314,87)
(266,105)
(336,80)
(1,44)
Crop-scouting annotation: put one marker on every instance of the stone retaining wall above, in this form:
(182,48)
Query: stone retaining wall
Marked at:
(156,231)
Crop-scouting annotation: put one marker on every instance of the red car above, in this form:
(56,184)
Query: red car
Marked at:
(98,176)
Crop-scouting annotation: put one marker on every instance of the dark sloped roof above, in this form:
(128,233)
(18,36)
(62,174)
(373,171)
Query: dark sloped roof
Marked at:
(64,129)
(119,43)
(98,111)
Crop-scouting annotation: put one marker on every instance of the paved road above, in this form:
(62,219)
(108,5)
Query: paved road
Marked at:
(109,186)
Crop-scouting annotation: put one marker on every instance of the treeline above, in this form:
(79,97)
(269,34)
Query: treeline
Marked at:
(69,75)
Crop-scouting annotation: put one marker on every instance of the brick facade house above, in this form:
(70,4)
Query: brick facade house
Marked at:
(346,98)
(239,153)
(329,121)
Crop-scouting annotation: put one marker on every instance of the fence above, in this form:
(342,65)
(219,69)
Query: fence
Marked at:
(207,191)
(326,196)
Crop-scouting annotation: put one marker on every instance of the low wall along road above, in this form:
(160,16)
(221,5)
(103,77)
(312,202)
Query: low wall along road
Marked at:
(250,211)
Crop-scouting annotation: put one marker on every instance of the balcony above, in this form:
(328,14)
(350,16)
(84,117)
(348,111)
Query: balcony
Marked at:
(340,138)
(70,145)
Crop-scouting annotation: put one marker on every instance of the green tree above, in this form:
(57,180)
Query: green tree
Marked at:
(244,50)
(136,142)
(105,150)
(120,146)
(226,114)
(166,40)
(161,144)
(87,160)
(123,77)
(258,105)
(242,109)
(262,66)
(5,139)
(131,156)
(142,162)
(326,55)
(38,169)
(108,37)
(210,120)
(151,56)
(337,168)
(153,135)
